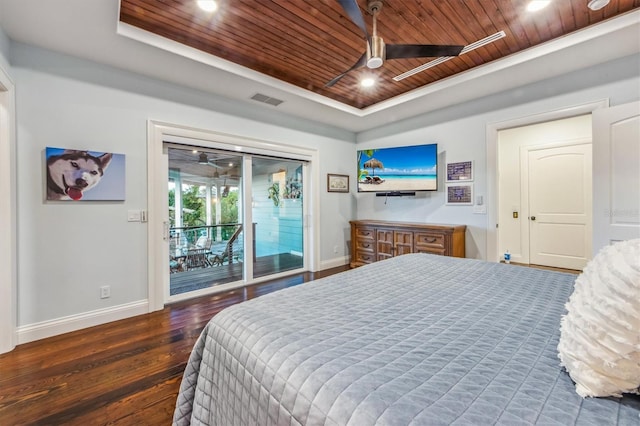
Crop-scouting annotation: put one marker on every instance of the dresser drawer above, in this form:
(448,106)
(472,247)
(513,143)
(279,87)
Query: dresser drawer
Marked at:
(427,241)
(365,234)
(365,257)
(365,245)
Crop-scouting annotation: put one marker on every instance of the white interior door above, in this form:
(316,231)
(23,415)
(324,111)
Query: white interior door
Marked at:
(616,149)
(560,199)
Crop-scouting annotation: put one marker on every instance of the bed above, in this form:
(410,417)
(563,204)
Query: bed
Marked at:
(414,340)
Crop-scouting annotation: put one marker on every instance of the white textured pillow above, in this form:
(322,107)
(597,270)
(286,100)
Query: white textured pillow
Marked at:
(600,335)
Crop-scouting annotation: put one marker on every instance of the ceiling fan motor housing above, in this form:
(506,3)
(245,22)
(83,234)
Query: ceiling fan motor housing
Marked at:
(375,48)
(375,52)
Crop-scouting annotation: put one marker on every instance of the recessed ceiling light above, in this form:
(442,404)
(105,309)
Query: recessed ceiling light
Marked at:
(597,4)
(536,5)
(367,82)
(208,5)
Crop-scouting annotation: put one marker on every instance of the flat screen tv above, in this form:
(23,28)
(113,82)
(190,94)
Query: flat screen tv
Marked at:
(400,170)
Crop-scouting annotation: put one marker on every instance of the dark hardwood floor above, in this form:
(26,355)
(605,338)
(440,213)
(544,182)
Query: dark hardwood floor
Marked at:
(123,373)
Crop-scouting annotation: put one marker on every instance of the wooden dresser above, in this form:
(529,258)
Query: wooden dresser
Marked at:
(373,240)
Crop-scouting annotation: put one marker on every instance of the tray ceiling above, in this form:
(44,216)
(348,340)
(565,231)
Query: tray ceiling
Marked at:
(307,43)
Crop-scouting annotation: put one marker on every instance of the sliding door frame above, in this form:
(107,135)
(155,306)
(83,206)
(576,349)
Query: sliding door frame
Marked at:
(160,132)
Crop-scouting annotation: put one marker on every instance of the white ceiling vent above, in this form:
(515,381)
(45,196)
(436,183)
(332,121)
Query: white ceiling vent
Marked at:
(468,48)
(266,99)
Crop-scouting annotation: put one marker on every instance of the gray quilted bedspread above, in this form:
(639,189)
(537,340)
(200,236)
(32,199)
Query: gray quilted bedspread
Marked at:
(414,340)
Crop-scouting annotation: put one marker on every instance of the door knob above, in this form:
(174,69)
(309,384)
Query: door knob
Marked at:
(533,218)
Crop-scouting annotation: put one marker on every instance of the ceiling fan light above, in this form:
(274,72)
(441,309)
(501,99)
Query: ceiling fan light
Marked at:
(374,62)
(375,52)
(597,4)
(203,159)
(367,82)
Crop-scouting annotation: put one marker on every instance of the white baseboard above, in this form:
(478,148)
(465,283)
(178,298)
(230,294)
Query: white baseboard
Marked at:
(44,329)
(50,328)
(334,263)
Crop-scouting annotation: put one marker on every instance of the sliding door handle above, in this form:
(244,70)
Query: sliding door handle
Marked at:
(165,231)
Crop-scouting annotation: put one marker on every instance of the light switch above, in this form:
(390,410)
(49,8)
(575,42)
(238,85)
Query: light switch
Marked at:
(133,216)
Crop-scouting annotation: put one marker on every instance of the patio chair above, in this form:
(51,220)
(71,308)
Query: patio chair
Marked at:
(203,242)
(227,254)
(197,258)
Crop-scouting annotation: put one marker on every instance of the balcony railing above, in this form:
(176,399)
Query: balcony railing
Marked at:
(189,235)
(194,247)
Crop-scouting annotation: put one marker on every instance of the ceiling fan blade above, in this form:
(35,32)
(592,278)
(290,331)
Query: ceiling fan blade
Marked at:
(400,51)
(354,13)
(360,63)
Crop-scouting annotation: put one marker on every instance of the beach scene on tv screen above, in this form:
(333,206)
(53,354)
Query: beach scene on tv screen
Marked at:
(406,168)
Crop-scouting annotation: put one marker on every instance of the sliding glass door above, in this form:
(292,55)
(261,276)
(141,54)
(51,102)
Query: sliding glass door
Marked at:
(277,211)
(207,206)
(205,218)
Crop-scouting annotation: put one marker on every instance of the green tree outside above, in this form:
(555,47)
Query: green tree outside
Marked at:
(195,212)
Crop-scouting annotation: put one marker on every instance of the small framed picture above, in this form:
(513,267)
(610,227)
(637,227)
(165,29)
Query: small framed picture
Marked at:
(460,194)
(461,171)
(337,183)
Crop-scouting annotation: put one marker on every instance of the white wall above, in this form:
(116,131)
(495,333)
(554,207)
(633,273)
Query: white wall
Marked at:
(460,132)
(67,250)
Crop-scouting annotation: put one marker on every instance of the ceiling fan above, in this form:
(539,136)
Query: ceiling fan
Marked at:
(377,51)
(232,173)
(203,158)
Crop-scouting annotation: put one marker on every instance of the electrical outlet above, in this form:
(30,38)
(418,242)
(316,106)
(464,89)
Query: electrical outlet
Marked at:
(105,292)
(335,249)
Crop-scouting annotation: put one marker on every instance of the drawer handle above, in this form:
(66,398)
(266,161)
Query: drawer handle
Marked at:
(365,245)
(432,240)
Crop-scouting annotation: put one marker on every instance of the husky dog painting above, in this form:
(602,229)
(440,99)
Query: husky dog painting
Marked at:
(72,173)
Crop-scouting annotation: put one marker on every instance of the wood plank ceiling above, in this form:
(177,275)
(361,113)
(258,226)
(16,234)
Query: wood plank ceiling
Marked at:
(307,43)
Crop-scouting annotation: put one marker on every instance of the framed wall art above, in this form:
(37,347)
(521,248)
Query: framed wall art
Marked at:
(77,175)
(460,194)
(461,171)
(337,183)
